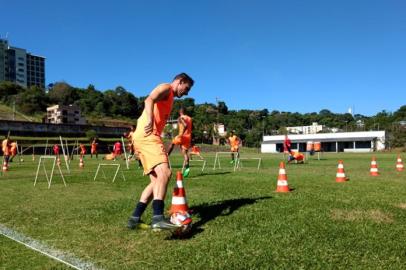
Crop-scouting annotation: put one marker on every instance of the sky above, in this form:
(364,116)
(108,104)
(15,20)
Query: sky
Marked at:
(293,56)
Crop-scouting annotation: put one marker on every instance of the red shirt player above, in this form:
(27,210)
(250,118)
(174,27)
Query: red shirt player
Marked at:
(286,145)
(56,150)
(117,149)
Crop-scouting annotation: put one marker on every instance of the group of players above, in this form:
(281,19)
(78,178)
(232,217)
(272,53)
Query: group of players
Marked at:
(9,149)
(147,143)
(117,150)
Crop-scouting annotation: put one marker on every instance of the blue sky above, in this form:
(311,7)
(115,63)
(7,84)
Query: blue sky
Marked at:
(293,56)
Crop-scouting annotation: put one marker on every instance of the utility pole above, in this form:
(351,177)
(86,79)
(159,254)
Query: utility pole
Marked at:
(14,110)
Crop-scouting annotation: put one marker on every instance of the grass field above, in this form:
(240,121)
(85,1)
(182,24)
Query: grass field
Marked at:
(239,221)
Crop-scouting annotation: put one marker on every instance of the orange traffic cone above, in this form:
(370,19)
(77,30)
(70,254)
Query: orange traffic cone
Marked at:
(179,203)
(340,176)
(81,163)
(374,168)
(282,185)
(399,164)
(5,166)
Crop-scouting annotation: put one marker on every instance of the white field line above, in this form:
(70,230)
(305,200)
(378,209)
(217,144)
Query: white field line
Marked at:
(55,254)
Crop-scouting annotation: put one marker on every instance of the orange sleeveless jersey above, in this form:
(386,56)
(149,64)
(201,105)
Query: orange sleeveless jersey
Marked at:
(188,121)
(162,110)
(234,141)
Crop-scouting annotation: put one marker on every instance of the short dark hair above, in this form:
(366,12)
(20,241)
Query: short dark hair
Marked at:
(184,78)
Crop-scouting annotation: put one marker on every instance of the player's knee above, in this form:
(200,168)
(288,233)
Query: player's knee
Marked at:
(167,173)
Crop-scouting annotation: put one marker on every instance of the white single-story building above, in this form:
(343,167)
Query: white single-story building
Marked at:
(365,141)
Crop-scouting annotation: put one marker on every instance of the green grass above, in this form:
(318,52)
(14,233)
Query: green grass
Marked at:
(240,222)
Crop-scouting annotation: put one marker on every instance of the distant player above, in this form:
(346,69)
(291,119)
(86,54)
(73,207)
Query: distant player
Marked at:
(13,150)
(117,149)
(56,150)
(82,149)
(195,151)
(296,156)
(183,139)
(287,145)
(93,148)
(6,149)
(234,143)
(129,137)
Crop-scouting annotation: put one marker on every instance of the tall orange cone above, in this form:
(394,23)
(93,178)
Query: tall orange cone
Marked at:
(5,166)
(374,168)
(399,164)
(282,185)
(340,176)
(179,203)
(81,163)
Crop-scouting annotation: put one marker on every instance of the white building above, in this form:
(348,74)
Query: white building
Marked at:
(366,141)
(61,114)
(313,129)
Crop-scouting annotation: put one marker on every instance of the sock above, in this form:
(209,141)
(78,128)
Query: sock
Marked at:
(139,209)
(158,207)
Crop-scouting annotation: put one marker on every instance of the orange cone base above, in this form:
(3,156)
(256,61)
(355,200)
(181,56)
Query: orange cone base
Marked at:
(341,179)
(283,189)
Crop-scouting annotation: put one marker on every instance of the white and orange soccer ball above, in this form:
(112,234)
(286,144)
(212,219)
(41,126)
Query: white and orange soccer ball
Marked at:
(184,220)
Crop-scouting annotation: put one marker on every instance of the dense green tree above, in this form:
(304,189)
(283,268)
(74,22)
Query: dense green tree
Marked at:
(32,100)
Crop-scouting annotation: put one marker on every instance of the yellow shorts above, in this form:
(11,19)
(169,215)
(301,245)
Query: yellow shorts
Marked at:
(151,151)
(183,141)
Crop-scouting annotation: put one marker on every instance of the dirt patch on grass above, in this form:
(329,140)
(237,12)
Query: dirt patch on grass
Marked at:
(374,215)
(401,205)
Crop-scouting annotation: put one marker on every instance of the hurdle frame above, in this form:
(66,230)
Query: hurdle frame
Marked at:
(199,160)
(49,180)
(104,175)
(217,159)
(239,163)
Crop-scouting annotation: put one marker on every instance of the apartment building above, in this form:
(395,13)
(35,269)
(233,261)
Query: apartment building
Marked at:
(21,67)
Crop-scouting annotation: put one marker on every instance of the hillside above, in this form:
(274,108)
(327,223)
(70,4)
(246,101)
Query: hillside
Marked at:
(6,113)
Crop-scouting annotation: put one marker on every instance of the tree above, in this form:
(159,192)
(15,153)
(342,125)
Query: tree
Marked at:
(63,94)
(33,100)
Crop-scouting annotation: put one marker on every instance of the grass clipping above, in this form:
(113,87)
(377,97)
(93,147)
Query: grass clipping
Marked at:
(374,215)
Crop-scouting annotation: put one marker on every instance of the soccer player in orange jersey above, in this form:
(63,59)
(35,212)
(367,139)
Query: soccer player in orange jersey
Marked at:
(299,157)
(6,149)
(195,151)
(13,150)
(183,139)
(234,143)
(82,150)
(151,150)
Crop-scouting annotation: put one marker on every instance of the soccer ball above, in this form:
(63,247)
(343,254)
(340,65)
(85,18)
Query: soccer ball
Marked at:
(184,220)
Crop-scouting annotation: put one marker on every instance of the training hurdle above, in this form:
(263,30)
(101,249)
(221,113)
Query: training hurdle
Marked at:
(239,163)
(199,160)
(49,180)
(217,159)
(104,175)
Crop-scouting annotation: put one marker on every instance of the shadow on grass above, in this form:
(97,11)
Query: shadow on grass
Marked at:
(213,173)
(208,212)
